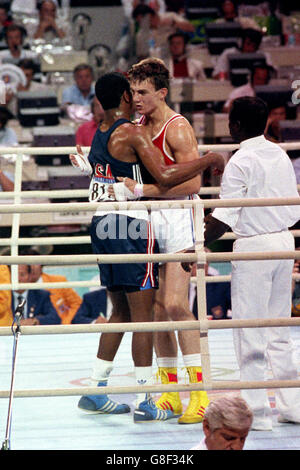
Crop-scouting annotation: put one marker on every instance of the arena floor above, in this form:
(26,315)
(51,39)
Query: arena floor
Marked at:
(61,361)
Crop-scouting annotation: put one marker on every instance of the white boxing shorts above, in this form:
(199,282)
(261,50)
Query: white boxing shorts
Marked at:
(174,229)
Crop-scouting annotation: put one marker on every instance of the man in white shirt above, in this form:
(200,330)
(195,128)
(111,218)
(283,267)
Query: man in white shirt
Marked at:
(260,289)
(227,422)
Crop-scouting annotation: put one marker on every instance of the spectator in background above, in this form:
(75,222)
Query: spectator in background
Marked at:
(178,61)
(251,41)
(83,91)
(277,113)
(130,5)
(48,27)
(65,300)
(226,424)
(86,131)
(153,30)
(229,14)
(38,309)
(29,67)
(8,137)
(93,308)
(14,37)
(260,75)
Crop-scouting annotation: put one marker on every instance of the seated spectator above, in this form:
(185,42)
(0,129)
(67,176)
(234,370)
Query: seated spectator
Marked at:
(29,67)
(277,113)
(251,41)
(48,27)
(155,28)
(93,308)
(38,309)
(260,75)
(229,13)
(66,301)
(218,298)
(130,5)
(83,91)
(179,63)
(226,424)
(8,137)
(86,131)
(14,37)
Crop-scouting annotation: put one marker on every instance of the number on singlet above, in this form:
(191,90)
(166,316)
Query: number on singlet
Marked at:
(97,191)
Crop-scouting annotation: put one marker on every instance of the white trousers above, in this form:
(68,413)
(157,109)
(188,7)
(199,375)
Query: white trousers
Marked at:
(262,289)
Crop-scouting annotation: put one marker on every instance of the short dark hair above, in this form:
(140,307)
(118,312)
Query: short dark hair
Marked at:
(28,64)
(15,27)
(151,69)
(180,34)
(109,89)
(252,114)
(253,34)
(142,10)
(259,65)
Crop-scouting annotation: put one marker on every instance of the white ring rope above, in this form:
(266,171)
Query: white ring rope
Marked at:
(151,326)
(214,385)
(59,260)
(67,150)
(142,205)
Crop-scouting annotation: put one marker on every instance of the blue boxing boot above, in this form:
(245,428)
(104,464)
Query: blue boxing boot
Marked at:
(147,411)
(102,403)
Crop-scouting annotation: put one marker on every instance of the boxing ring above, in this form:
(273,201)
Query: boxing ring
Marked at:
(47,417)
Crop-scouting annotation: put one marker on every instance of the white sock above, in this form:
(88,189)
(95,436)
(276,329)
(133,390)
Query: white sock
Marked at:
(192,360)
(167,362)
(101,371)
(143,376)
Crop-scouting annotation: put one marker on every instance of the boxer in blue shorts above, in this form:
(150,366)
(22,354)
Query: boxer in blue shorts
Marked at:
(123,149)
(117,150)
(127,277)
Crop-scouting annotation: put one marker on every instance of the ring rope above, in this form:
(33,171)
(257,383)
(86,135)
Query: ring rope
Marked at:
(58,260)
(69,193)
(67,150)
(142,205)
(161,388)
(151,326)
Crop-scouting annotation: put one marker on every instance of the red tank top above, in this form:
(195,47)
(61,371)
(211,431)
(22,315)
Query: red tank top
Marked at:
(159,139)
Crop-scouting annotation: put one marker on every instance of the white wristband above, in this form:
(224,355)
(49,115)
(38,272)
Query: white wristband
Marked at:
(83,164)
(139,190)
(122,193)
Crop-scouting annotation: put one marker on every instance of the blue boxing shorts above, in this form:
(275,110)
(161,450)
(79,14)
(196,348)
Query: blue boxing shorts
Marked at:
(113,234)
